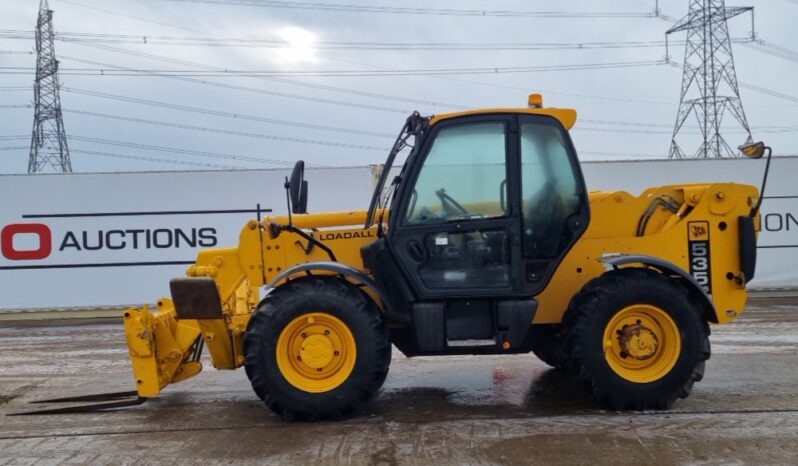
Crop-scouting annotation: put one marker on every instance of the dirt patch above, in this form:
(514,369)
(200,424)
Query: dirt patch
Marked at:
(6,398)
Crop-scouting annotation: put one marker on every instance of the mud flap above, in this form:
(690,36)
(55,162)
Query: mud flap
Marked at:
(514,320)
(429,326)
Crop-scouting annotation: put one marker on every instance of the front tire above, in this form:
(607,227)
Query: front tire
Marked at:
(316,348)
(635,341)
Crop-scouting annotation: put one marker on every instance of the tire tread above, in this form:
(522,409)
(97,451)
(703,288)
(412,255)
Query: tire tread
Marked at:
(291,296)
(577,327)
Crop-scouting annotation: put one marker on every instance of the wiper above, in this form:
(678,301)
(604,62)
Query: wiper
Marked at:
(414,126)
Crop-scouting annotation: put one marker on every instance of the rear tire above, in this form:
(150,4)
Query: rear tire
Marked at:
(635,341)
(345,362)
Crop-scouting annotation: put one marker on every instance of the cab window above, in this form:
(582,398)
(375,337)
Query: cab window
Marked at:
(463,176)
(550,190)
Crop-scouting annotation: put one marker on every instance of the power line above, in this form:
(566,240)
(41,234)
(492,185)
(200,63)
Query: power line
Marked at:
(292,82)
(691,131)
(241,88)
(181,27)
(624,123)
(775,50)
(16,106)
(511,87)
(354,131)
(770,92)
(220,84)
(316,6)
(643,157)
(333,88)
(238,116)
(386,45)
(343,73)
(755,88)
(117,97)
(752,43)
(769,128)
(785,129)
(230,132)
(152,159)
(496,85)
(260,91)
(618,130)
(144,39)
(14,147)
(328,101)
(623,154)
(138,18)
(176,150)
(353,91)
(372,133)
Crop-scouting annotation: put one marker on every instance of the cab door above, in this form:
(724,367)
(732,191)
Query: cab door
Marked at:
(454,230)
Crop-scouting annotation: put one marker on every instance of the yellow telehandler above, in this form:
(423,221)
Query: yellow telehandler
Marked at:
(485,242)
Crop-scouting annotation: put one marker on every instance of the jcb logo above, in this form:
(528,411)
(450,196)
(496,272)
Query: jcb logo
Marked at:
(698,231)
(11,252)
(698,248)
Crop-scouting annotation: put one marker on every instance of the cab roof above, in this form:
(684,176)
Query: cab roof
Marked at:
(566,116)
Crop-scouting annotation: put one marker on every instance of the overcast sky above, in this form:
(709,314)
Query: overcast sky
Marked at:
(627,110)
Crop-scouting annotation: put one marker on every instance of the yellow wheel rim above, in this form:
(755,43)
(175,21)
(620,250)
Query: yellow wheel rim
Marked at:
(316,352)
(642,343)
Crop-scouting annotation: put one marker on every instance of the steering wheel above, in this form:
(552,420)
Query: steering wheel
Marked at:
(449,204)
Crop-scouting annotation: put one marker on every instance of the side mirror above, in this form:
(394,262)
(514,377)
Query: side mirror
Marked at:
(755,150)
(298,189)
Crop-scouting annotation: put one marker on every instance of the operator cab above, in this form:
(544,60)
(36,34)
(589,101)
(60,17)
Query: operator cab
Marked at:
(486,206)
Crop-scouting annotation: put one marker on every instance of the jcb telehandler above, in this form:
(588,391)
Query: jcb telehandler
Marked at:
(486,242)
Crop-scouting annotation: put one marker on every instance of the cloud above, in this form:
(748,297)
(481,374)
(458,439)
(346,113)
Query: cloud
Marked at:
(646,95)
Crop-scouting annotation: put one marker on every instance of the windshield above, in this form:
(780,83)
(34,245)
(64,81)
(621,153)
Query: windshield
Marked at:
(463,175)
(404,146)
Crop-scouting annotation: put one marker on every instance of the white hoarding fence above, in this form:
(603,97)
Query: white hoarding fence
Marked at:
(86,240)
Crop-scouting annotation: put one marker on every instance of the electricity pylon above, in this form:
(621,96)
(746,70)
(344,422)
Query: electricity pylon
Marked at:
(48,146)
(709,82)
